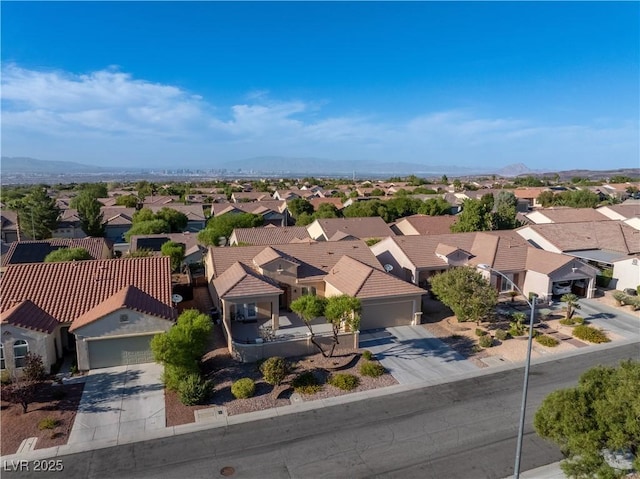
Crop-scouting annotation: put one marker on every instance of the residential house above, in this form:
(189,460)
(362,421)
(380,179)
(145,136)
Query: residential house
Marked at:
(530,194)
(269,235)
(600,243)
(294,193)
(107,311)
(8,226)
(118,220)
(424,225)
(254,282)
(274,212)
(193,251)
(336,229)
(417,258)
(69,225)
(626,271)
(160,200)
(564,215)
(33,251)
(335,201)
(627,212)
(196,220)
(247,196)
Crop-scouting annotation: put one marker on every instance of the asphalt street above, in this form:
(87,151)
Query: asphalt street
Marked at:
(463,429)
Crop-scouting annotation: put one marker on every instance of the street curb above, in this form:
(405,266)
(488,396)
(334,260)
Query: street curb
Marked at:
(225,421)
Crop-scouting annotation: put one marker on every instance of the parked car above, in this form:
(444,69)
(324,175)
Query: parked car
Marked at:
(561,287)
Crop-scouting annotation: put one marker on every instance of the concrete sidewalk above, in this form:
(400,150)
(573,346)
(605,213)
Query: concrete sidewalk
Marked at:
(550,471)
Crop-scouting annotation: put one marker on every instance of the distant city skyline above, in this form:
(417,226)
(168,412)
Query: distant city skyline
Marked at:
(552,85)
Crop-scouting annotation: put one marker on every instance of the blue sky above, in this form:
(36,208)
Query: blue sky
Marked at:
(549,84)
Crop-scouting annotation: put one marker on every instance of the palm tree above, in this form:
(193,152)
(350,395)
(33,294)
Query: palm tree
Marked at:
(572,303)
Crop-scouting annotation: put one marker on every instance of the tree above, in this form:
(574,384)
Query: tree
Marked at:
(547,198)
(147,228)
(476,216)
(22,390)
(130,201)
(466,292)
(599,414)
(299,206)
(222,226)
(181,348)
(342,311)
(67,254)
(38,214)
(96,190)
(90,214)
(175,251)
(572,303)
(435,207)
(504,211)
(326,210)
(177,220)
(309,307)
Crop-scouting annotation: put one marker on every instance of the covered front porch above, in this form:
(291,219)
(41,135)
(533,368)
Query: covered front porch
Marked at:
(289,326)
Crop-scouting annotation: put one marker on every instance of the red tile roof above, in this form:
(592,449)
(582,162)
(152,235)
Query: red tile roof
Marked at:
(128,297)
(27,315)
(66,290)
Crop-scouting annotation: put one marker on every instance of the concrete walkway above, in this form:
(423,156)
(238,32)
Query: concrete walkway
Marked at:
(119,403)
(412,354)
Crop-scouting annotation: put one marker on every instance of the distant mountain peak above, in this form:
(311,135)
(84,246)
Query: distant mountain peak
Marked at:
(514,169)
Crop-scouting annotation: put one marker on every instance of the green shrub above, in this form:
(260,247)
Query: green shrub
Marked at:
(372,369)
(243,388)
(547,341)
(368,355)
(48,423)
(480,332)
(590,334)
(578,320)
(5,378)
(486,341)
(572,321)
(634,301)
(501,335)
(194,390)
(306,383)
(620,297)
(274,370)
(638,289)
(173,376)
(34,369)
(346,382)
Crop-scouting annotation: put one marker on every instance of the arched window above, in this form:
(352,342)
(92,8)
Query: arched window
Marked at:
(2,366)
(20,350)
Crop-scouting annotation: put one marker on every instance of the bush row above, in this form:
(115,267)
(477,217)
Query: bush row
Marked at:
(590,334)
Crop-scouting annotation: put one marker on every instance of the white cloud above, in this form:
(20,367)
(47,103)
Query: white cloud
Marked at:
(58,115)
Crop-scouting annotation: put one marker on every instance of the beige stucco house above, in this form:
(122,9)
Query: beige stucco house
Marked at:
(106,311)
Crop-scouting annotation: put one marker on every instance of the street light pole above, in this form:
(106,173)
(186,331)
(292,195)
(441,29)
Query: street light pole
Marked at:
(525,387)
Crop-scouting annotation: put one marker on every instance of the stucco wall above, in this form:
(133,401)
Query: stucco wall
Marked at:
(388,252)
(315,231)
(627,273)
(538,283)
(41,344)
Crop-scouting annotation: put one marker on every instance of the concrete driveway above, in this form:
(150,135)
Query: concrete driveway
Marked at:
(411,354)
(623,323)
(119,403)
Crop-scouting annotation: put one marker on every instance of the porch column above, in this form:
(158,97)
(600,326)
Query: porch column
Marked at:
(591,288)
(275,313)
(226,323)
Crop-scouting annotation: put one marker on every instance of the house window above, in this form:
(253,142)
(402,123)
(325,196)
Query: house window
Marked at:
(308,290)
(2,365)
(249,310)
(20,350)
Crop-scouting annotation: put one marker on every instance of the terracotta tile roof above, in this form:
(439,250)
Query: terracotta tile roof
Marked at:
(240,280)
(546,262)
(503,250)
(316,202)
(250,195)
(363,228)
(314,259)
(532,192)
(446,250)
(606,235)
(277,206)
(267,255)
(270,235)
(354,278)
(430,225)
(128,297)
(626,210)
(160,200)
(70,289)
(35,251)
(117,215)
(25,314)
(572,215)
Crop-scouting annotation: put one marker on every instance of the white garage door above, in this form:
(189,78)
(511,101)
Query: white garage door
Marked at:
(384,315)
(105,353)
